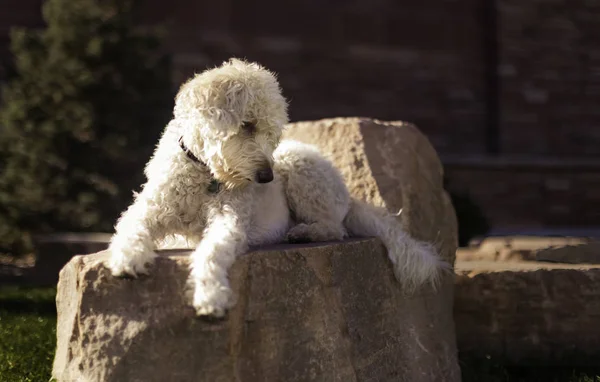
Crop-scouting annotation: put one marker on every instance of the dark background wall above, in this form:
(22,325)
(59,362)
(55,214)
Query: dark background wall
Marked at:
(419,61)
(25,13)
(507,91)
(549,63)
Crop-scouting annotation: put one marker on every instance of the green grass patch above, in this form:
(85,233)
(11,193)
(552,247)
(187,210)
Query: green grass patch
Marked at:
(27,333)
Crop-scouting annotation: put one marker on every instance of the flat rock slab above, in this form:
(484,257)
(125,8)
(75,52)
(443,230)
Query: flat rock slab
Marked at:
(528,314)
(566,250)
(472,268)
(329,312)
(587,253)
(528,243)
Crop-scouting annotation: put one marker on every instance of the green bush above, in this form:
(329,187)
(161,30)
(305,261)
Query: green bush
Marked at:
(80,117)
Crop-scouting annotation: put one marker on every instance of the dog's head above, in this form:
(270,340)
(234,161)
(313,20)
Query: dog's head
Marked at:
(233,117)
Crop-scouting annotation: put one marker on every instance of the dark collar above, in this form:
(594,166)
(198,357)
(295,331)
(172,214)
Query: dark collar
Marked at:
(189,153)
(214,185)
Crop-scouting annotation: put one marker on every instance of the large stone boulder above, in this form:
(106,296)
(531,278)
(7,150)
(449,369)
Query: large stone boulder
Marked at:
(392,165)
(320,312)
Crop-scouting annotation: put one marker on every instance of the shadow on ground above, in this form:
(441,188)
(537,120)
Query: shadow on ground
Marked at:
(490,371)
(25,300)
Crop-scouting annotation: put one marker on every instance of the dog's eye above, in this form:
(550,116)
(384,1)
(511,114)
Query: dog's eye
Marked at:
(249,127)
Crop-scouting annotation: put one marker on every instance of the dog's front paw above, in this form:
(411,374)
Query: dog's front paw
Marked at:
(212,299)
(121,265)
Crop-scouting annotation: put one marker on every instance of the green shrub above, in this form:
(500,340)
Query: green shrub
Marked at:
(80,117)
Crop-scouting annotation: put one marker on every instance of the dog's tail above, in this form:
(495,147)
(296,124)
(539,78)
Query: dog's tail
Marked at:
(415,262)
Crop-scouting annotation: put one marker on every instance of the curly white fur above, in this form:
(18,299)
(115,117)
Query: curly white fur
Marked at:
(231,119)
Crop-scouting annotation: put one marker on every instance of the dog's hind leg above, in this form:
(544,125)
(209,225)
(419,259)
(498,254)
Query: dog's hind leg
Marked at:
(316,232)
(316,194)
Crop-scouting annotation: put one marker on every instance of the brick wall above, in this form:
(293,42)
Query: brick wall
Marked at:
(438,63)
(550,77)
(533,193)
(418,61)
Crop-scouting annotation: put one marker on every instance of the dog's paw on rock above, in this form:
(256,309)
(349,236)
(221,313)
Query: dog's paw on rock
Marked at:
(121,266)
(212,302)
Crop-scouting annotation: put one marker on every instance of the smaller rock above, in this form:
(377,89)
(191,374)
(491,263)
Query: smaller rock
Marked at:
(529,313)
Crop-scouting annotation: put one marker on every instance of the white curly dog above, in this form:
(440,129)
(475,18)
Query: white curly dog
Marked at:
(221,178)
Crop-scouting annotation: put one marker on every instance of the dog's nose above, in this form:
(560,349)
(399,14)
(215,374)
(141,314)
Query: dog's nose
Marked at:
(264,175)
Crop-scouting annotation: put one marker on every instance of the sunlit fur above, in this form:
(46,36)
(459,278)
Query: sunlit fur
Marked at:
(211,109)
(306,201)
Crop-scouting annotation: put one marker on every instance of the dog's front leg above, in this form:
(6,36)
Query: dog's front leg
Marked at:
(223,240)
(132,246)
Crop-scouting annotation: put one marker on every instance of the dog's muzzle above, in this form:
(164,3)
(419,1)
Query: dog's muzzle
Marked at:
(264,175)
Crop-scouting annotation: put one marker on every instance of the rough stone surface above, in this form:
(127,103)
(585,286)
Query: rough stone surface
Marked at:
(320,312)
(528,314)
(390,164)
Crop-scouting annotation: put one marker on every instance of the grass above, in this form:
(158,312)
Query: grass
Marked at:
(27,333)
(28,336)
